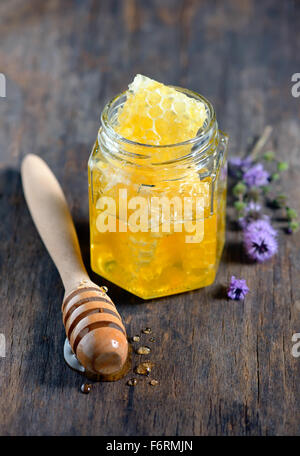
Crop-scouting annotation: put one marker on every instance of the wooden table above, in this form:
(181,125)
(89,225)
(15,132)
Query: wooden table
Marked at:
(224,367)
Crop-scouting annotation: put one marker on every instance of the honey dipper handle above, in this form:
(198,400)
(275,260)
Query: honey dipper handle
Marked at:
(49,210)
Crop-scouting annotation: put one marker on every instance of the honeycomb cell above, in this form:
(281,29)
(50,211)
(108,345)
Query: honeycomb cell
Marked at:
(155,112)
(154,108)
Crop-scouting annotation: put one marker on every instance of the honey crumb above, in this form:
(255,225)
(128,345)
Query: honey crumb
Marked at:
(144,368)
(143,350)
(86,388)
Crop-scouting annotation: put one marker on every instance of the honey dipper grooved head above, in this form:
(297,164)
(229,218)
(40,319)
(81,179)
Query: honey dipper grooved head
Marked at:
(95,330)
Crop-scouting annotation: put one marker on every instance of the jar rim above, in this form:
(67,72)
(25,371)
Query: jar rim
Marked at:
(203,131)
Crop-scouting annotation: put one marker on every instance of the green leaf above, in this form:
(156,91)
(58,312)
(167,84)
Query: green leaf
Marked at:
(294,226)
(239,205)
(282,166)
(275,177)
(239,189)
(269,155)
(291,214)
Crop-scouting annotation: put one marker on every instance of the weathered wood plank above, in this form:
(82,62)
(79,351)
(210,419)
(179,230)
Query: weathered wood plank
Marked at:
(225,368)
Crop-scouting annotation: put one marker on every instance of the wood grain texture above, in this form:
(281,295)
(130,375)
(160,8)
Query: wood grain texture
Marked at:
(225,368)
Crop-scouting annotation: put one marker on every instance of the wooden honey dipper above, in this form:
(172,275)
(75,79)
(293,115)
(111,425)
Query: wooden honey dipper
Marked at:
(93,325)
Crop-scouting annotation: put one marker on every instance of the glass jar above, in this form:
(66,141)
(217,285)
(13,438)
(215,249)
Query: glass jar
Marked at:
(157,213)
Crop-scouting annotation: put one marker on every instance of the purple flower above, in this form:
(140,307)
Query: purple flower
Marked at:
(237,289)
(256,176)
(260,244)
(260,226)
(238,162)
(251,214)
(243,222)
(252,207)
(238,165)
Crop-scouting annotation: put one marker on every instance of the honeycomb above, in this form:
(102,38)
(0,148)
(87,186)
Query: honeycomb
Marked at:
(158,115)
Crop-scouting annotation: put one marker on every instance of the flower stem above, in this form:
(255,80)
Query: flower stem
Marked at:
(260,143)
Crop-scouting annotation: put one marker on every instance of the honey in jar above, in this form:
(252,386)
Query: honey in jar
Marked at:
(157,191)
